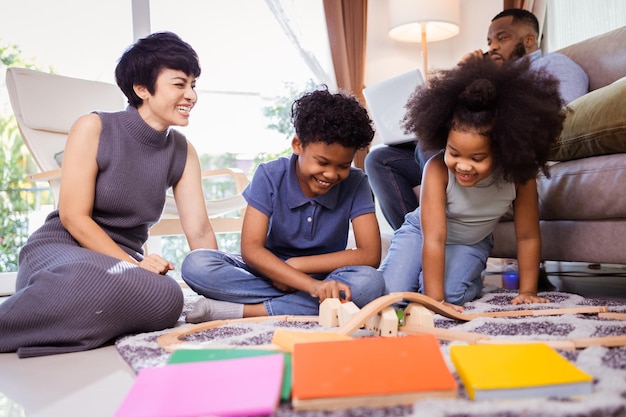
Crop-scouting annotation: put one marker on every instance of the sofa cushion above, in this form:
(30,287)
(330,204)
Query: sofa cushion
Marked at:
(597,125)
(602,57)
(584,189)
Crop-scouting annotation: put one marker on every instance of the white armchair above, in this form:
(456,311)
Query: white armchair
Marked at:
(45,107)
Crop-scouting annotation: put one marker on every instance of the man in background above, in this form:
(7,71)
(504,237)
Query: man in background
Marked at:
(395,170)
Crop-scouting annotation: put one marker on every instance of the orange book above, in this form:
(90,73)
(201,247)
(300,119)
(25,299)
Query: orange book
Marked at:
(369,371)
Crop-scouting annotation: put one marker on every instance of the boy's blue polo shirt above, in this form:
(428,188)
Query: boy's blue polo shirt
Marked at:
(298,225)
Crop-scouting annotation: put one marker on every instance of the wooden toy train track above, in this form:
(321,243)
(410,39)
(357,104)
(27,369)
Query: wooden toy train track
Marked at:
(168,341)
(380,303)
(360,318)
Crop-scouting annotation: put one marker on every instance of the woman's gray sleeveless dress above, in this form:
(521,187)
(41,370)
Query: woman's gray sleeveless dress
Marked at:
(69,298)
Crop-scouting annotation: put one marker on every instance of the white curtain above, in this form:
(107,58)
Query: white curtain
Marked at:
(571,21)
(286,14)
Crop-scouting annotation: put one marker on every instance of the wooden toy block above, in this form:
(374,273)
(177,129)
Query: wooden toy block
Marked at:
(347,311)
(373,323)
(286,339)
(388,322)
(437,307)
(371,315)
(417,315)
(329,312)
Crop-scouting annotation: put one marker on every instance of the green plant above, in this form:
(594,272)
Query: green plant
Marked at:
(16,195)
(279,115)
(13,210)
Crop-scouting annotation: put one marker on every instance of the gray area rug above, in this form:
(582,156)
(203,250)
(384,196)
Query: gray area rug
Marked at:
(606,365)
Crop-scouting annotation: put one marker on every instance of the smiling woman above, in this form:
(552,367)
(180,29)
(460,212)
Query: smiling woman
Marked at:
(87,257)
(248,61)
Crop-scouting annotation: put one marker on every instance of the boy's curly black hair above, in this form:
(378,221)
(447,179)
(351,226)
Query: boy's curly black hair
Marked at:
(320,116)
(518,108)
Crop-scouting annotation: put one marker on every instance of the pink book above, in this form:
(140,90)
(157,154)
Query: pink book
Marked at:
(223,388)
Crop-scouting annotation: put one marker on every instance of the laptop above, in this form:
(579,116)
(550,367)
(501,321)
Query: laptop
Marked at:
(386,101)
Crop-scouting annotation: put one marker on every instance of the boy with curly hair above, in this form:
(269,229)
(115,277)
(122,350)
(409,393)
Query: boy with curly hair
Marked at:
(495,126)
(295,230)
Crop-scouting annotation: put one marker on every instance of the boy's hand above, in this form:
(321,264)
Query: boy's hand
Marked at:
(283,287)
(528,298)
(293,262)
(330,289)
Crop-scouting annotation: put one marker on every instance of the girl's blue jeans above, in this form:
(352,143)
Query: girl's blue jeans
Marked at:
(402,268)
(223,276)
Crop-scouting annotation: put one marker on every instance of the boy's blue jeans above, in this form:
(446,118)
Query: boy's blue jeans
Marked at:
(224,276)
(402,268)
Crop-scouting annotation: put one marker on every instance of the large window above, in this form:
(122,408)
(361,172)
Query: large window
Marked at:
(253,54)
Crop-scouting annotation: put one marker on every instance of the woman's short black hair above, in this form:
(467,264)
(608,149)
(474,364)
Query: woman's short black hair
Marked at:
(143,61)
(519,109)
(320,116)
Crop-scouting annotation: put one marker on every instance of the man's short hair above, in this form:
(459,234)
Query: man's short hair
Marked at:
(520,16)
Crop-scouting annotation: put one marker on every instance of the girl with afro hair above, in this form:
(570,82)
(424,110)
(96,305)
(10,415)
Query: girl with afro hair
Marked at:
(493,127)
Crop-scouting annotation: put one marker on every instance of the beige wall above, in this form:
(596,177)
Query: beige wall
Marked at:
(387,58)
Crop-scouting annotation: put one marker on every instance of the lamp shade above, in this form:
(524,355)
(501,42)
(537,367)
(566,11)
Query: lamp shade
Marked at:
(440,18)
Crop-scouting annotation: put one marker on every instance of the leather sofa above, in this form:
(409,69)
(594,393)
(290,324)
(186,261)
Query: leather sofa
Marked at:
(583,204)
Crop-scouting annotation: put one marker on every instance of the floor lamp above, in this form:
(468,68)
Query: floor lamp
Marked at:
(423,21)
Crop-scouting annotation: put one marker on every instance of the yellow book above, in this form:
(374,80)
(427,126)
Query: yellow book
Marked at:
(369,372)
(525,370)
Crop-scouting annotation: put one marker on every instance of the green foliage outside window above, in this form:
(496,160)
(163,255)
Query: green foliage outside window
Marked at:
(17,196)
(279,115)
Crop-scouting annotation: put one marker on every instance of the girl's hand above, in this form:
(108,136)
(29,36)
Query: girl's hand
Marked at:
(528,298)
(156,264)
(330,289)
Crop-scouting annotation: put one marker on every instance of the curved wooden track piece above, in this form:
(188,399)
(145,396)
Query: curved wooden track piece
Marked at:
(168,341)
(373,308)
(613,316)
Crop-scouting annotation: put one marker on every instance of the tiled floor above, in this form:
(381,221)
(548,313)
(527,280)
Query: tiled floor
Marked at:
(82,384)
(94,383)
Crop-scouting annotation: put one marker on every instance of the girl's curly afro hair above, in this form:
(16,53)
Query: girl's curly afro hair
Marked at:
(320,116)
(518,108)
